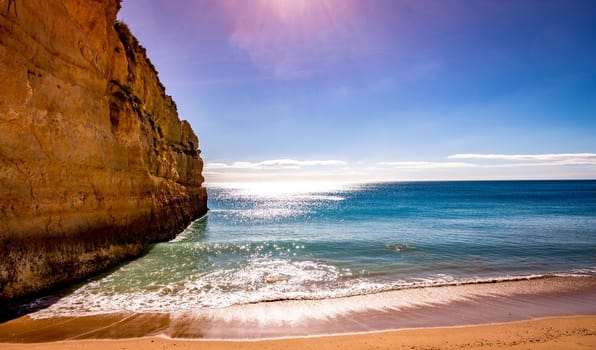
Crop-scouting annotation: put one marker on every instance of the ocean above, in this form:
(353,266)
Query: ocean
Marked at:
(310,242)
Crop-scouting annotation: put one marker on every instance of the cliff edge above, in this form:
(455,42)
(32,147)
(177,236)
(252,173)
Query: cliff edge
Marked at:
(94,161)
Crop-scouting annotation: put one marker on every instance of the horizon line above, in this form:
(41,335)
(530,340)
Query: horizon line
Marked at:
(206,183)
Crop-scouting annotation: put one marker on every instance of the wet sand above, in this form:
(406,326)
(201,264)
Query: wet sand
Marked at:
(550,333)
(504,306)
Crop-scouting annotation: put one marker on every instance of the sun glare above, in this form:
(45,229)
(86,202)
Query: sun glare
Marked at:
(286,10)
(272,189)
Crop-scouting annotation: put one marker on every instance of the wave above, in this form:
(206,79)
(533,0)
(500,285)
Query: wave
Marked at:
(204,297)
(190,229)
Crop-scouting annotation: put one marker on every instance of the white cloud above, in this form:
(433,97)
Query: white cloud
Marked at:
(426,165)
(549,159)
(528,157)
(275,164)
(480,166)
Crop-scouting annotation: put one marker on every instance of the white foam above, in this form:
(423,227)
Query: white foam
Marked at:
(316,287)
(189,229)
(292,312)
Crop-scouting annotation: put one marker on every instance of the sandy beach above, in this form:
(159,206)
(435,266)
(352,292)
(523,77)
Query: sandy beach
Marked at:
(550,333)
(547,313)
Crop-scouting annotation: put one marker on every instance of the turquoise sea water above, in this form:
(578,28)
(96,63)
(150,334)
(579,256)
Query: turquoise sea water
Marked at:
(287,242)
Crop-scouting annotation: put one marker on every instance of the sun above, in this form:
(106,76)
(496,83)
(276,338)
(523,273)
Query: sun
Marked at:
(288,10)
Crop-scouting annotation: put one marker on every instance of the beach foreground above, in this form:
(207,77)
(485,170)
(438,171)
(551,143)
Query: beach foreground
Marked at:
(444,306)
(543,313)
(577,332)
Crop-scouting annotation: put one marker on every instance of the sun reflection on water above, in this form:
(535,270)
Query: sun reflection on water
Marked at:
(283,189)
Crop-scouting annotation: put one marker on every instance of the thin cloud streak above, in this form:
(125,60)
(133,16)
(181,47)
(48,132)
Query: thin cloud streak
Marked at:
(275,164)
(426,165)
(585,157)
(544,164)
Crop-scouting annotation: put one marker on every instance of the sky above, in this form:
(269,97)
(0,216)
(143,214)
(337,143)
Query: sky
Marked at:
(379,90)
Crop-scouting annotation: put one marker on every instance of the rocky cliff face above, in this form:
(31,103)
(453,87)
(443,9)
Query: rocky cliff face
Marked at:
(94,162)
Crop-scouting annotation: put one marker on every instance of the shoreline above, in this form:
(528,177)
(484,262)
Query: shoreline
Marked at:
(410,309)
(351,334)
(570,332)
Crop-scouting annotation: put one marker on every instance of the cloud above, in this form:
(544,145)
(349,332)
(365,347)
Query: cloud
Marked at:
(480,166)
(275,164)
(284,170)
(548,159)
(426,165)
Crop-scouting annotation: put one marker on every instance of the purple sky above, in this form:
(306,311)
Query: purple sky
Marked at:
(354,90)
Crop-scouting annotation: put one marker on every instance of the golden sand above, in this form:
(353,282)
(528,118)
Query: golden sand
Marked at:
(550,333)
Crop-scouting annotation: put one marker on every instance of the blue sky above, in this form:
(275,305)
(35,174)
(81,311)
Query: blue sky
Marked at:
(369,90)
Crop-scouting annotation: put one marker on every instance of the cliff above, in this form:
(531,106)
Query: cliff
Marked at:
(94,161)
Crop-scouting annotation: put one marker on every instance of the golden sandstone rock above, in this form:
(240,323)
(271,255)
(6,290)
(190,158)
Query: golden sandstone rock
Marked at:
(94,161)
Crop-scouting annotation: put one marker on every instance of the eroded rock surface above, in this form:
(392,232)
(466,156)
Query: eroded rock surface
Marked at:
(94,161)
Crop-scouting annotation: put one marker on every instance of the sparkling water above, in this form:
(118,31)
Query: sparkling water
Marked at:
(316,241)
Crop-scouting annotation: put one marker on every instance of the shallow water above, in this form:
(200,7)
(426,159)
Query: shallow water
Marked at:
(268,243)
